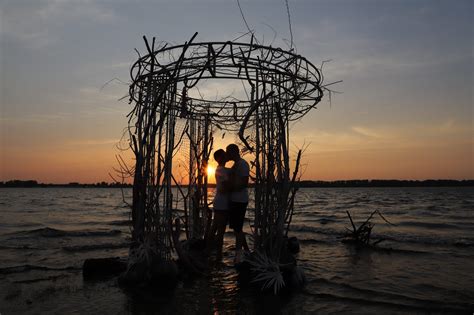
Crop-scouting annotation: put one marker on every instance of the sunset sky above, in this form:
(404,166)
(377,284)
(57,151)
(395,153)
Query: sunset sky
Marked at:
(406,111)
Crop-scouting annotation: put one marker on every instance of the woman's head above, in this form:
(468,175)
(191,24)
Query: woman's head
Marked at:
(220,156)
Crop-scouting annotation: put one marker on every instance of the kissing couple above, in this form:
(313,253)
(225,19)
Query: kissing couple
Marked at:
(230,200)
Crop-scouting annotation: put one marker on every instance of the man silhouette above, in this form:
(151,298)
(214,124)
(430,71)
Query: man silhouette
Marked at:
(239,199)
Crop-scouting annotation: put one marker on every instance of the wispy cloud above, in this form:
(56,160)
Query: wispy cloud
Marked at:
(447,126)
(34,118)
(37,24)
(71,9)
(119,65)
(402,137)
(96,94)
(367,132)
(214,90)
(89,142)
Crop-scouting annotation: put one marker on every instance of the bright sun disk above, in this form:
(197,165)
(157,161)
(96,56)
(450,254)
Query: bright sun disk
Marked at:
(211,170)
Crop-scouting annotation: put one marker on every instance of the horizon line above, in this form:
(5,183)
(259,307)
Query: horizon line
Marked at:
(33,182)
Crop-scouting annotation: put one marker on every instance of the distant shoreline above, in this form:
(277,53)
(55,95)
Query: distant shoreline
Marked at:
(302,184)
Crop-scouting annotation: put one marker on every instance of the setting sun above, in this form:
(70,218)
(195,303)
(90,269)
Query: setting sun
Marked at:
(211,170)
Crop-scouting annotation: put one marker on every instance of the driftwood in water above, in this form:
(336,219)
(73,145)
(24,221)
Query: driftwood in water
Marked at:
(160,274)
(362,235)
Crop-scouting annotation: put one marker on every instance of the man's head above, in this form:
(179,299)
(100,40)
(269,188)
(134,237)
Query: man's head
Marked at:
(233,152)
(220,156)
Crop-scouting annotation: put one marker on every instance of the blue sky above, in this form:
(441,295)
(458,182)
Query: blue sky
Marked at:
(406,110)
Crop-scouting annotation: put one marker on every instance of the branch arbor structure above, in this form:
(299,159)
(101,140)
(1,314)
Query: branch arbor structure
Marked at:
(280,87)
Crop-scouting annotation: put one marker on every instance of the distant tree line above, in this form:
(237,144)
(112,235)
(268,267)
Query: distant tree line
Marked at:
(34,183)
(304,183)
(388,183)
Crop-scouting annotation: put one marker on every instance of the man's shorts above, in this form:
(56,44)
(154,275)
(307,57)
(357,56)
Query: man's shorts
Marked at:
(237,215)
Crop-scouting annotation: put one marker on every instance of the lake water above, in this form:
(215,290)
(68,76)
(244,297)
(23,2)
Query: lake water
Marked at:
(425,265)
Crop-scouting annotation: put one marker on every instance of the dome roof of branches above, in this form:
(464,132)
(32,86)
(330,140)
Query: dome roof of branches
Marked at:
(279,80)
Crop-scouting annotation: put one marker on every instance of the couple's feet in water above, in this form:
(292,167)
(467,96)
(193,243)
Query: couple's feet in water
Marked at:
(239,257)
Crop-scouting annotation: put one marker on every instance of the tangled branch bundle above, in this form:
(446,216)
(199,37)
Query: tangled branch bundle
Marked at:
(283,87)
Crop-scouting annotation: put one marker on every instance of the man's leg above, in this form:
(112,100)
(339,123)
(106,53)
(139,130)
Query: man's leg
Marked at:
(238,216)
(241,241)
(235,224)
(245,246)
(238,240)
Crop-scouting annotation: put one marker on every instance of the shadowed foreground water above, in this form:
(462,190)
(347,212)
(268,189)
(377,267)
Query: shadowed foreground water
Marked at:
(424,266)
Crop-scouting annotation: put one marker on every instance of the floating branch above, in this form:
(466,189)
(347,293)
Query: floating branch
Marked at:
(362,235)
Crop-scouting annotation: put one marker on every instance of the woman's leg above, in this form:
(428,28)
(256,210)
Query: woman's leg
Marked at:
(211,237)
(221,222)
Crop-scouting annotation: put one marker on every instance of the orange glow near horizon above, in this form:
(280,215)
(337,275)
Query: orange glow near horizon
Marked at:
(380,154)
(211,172)
(95,166)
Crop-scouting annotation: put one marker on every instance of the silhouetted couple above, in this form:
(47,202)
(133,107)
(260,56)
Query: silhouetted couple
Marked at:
(231,199)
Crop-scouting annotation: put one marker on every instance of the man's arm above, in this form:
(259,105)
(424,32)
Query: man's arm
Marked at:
(240,182)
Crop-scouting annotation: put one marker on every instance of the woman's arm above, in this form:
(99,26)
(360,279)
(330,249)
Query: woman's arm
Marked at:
(227,182)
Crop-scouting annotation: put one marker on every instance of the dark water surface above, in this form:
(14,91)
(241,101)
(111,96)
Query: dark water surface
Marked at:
(426,264)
